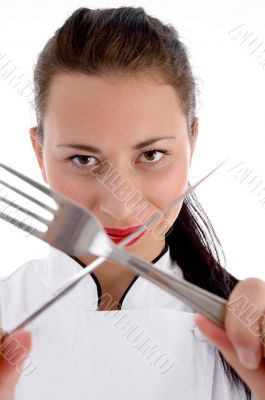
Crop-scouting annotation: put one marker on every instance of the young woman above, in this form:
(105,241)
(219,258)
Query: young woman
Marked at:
(116,85)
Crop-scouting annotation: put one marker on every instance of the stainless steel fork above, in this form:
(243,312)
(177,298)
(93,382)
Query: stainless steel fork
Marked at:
(76,230)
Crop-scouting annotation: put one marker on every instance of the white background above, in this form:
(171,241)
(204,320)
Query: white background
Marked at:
(231,111)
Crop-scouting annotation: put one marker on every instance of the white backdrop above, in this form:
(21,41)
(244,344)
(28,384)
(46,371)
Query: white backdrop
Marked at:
(226,41)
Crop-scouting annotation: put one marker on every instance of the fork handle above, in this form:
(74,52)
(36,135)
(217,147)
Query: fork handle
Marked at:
(208,304)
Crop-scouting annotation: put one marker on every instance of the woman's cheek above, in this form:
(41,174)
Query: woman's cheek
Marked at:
(169,185)
(163,192)
(75,187)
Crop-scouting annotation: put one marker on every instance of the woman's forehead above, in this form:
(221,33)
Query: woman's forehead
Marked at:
(99,104)
(78,89)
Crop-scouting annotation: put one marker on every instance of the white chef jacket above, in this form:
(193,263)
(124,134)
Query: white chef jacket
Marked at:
(150,349)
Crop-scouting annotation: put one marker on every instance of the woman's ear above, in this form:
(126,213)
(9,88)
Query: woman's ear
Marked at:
(37,146)
(194,135)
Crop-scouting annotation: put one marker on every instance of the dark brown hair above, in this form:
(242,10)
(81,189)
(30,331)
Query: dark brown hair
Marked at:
(124,41)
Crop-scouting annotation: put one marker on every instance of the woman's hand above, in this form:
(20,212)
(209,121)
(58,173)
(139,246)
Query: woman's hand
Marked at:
(13,350)
(242,342)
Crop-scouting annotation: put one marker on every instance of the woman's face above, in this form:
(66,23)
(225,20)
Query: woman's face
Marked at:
(135,126)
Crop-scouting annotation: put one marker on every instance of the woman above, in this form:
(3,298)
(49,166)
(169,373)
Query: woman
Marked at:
(116,85)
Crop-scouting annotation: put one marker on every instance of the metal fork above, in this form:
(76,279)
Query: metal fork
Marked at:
(76,230)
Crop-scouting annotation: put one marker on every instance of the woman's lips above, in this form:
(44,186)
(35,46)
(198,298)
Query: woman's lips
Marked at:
(122,232)
(117,235)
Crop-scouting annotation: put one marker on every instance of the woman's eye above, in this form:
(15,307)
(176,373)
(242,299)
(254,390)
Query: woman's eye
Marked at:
(81,160)
(153,156)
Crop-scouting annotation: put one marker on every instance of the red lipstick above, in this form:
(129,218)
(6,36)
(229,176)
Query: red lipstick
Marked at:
(119,234)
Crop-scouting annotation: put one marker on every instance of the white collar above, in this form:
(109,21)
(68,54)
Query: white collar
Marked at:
(58,266)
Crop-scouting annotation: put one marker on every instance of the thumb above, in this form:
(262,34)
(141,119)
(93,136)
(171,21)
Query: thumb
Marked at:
(253,378)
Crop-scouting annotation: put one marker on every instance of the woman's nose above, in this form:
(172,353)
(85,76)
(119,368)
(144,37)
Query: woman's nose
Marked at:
(114,207)
(117,203)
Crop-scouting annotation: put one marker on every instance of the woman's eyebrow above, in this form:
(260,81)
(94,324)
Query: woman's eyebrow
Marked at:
(98,151)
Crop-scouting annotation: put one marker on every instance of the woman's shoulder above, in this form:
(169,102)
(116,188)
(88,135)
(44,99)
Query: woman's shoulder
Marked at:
(20,290)
(23,274)
(35,270)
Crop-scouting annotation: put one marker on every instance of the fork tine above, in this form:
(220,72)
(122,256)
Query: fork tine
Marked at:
(52,193)
(27,196)
(22,225)
(25,210)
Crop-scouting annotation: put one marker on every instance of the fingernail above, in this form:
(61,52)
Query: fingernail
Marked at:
(248,358)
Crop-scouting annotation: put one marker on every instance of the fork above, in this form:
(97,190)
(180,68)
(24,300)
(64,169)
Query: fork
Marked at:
(76,230)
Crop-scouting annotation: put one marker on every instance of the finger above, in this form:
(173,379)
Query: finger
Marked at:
(13,349)
(244,319)
(263,334)
(253,378)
